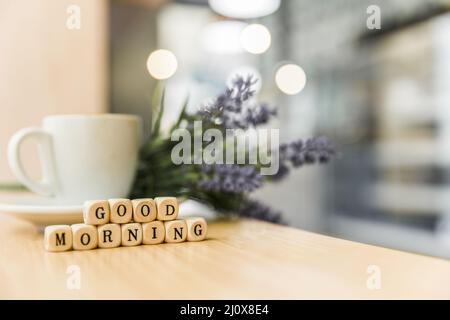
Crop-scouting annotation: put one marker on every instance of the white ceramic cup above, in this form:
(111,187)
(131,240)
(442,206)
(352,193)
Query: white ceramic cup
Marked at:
(83,157)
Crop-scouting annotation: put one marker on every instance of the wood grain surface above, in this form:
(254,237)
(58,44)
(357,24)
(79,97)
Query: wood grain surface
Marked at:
(240,259)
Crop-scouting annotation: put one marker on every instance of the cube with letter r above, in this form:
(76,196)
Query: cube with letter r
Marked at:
(109,235)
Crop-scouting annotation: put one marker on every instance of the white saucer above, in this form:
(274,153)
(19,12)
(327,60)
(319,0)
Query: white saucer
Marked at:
(41,211)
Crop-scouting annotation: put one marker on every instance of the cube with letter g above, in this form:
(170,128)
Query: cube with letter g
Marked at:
(96,212)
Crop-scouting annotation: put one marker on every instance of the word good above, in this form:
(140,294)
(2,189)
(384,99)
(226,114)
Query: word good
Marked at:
(123,222)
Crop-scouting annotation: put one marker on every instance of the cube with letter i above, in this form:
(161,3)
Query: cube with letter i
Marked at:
(153,232)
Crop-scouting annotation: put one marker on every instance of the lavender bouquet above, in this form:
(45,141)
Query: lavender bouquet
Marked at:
(224,187)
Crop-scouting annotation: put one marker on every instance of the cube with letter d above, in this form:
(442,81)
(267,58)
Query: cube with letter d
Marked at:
(167,208)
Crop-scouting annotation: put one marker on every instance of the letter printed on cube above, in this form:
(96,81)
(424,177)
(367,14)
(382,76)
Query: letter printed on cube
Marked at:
(131,234)
(144,210)
(176,231)
(109,235)
(96,212)
(153,232)
(167,208)
(121,210)
(196,229)
(84,236)
(58,238)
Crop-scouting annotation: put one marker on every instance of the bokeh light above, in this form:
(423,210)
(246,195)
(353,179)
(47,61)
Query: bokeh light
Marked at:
(244,9)
(255,38)
(223,37)
(162,64)
(290,79)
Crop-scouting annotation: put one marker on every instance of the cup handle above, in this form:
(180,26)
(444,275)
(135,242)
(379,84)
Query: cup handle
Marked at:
(47,186)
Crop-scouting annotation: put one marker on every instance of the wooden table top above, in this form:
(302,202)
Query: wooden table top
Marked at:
(240,259)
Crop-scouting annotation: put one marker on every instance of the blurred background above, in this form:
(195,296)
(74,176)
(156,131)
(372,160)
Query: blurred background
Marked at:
(380,93)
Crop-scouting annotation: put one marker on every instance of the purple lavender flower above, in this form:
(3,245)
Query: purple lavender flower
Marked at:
(259,114)
(229,178)
(224,187)
(299,152)
(256,210)
(243,88)
(283,172)
(231,100)
(311,151)
(233,108)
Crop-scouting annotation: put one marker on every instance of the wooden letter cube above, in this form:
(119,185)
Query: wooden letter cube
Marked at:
(153,232)
(196,229)
(58,238)
(131,234)
(144,210)
(167,208)
(84,236)
(121,210)
(109,235)
(96,212)
(176,231)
